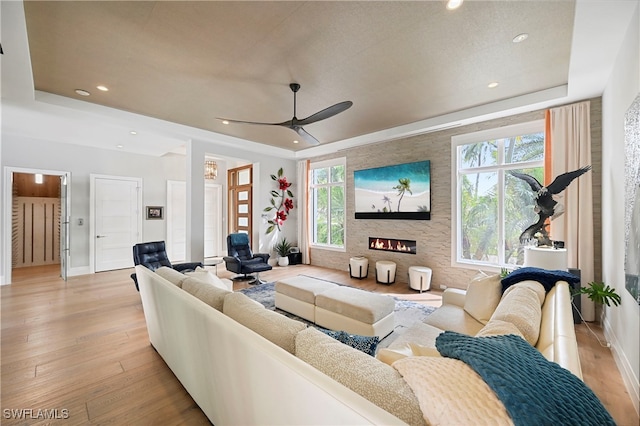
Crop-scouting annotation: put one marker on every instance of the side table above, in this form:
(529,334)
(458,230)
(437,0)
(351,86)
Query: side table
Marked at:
(212,262)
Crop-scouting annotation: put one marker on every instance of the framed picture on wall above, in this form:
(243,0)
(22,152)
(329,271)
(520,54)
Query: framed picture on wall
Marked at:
(155,212)
(401,191)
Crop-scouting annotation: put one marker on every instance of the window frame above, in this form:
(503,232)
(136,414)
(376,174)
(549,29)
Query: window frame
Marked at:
(341,161)
(536,126)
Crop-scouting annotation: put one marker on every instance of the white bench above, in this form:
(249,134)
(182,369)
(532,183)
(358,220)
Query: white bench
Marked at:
(336,307)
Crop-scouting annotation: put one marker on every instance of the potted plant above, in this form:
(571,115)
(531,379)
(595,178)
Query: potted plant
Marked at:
(282,248)
(600,294)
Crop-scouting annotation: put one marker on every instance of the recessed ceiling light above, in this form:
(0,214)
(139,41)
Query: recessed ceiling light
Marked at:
(119,146)
(82,92)
(225,121)
(133,132)
(295,141)
(520,37)
(492,84)
(454,4)
(103,88)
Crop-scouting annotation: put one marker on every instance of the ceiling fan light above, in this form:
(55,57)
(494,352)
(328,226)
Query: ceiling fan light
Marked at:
(82,92)
(102,88)
(454,4)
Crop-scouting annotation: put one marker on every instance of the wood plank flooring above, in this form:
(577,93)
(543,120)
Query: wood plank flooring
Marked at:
(78,352)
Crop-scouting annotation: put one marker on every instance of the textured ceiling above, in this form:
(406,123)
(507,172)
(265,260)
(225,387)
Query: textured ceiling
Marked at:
(399,62)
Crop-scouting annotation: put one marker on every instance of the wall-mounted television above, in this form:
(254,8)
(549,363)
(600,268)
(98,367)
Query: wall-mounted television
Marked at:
(402,191)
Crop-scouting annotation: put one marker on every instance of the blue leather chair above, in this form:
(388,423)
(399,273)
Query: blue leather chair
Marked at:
(241,260)
(153,255)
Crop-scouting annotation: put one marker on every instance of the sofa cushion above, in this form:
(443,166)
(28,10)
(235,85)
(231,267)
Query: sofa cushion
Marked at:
(271,325)
(171,275)
(498,327)
(206,276)
(454,318)
(208,293)
(521,306)
(365,375)
(483,296)
(451,393)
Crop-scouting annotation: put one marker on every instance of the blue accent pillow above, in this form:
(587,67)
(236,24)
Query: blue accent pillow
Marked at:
(545,277)
(366,344)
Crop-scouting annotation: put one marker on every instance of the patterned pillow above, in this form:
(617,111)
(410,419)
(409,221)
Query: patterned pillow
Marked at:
(366,344)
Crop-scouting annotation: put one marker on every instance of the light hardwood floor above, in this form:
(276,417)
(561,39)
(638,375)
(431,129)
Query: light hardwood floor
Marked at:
(81,348)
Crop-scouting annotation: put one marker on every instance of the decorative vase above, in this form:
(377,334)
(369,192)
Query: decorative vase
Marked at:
(283,261)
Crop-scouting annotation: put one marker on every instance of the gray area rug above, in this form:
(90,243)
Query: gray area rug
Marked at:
(406,313)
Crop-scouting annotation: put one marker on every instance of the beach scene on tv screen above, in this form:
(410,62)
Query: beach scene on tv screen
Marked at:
(391,189)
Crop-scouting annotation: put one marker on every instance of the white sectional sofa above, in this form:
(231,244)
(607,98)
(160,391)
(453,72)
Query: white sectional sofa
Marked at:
(245,364)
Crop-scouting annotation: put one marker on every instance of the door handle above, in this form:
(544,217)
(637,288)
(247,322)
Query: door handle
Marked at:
(101,236)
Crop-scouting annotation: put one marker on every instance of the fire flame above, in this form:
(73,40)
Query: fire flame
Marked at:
(393,245)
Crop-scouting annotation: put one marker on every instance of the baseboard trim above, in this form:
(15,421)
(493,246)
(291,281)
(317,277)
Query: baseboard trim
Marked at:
(631,383)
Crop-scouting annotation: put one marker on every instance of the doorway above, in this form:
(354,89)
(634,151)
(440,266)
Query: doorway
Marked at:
(240,196)
(176,243)
(36,226)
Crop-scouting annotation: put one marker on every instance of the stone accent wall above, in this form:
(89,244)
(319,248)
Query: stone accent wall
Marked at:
(433,236)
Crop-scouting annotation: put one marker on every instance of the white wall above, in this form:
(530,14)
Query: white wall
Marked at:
(18,151)
(83,161)
(622,324)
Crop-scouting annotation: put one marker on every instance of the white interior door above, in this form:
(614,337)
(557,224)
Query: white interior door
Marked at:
(176,243)
(177,220)
(64,225)
(212,220)
(117,221)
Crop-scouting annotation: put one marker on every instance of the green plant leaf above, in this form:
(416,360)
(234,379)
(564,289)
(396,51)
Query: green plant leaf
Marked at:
(289,193)
(274,177)
(280,172)
(275,194)
(270,228)
(267,209)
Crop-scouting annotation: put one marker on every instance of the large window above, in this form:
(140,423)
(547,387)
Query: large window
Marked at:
(491,207)
(328,203)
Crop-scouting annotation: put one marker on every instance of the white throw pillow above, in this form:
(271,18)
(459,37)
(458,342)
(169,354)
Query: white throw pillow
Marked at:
(171,275)
(483,296)
(206,276)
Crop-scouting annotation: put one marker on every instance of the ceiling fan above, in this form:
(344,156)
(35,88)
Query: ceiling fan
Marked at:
(295,124)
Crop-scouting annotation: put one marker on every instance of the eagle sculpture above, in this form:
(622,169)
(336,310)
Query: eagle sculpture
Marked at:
(546,207)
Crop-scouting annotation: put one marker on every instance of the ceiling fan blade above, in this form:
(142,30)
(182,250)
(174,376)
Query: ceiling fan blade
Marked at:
(305,135)
(285,123)
(325,113)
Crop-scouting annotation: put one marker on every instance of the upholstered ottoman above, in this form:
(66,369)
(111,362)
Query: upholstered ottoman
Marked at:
(298,295)
(355,311)
(420,278)
(385,272)
(359,267)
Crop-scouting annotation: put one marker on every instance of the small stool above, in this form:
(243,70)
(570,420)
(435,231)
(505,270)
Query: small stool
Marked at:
(420,278)
(359,267)
(385,272)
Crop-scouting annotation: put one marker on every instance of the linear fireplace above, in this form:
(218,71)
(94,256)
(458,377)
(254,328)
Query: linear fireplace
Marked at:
(391,244)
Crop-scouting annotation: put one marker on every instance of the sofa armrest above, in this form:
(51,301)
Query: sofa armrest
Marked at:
(187,267)
(263,256)
(454,296)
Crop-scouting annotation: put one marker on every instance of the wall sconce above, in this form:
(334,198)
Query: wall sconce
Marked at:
(210,169)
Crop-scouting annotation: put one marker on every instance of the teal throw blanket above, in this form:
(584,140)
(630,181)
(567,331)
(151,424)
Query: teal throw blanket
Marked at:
(534,390)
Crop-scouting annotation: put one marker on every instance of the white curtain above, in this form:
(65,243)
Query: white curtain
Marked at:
(303,210)
(570,150)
